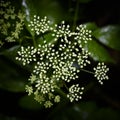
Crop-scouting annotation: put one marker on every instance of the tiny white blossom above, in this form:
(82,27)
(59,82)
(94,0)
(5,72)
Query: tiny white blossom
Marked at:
(26,55)
(83,58)
(39,25)
(83,35)
(75,93)
(101,72)
(62,31)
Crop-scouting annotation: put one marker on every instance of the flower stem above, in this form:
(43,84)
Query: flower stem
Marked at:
(75,15)
(34,42)
(87,71)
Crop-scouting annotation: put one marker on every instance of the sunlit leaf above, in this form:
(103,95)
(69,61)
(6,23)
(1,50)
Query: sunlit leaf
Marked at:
(109,36)
(98,52)
(91,26)
(50,8)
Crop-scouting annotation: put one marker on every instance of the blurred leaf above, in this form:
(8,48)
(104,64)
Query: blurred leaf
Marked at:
(28,102)
(10,78)
(11,54)
(98,52)
(13,85)
(50,8)
(11,74)
(91,26)
(6,117)
(86,111)
(109,35)
(105,114)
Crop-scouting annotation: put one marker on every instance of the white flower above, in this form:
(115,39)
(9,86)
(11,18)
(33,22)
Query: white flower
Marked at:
(39,25)
(44,84)
(100,72)
(75,93)
(62,31)
(26,55)
(83,35)
(83,58)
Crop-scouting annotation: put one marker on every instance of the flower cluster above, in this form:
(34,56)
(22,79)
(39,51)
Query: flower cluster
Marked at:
(39,25)
(100,72)
(83,58)
(75,93)
(44,89)
(44,84)
(65,71)
(62,31)
(26,55)
(11,23)
(54,62)
(83,35)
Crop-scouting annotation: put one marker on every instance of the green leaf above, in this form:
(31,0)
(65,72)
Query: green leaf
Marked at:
(47,37)
(86,111)
(98,52)
(9,117)
(105,114)
(28,102)
(50,8)
(13,85)
(109,36)
(91,26)
(11,78)
(11,54)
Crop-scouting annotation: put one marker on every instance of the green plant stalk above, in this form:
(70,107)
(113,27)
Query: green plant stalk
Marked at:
(87,71)
(75,15)
(34,42)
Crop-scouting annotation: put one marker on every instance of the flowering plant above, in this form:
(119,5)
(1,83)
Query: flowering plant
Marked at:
(57,62)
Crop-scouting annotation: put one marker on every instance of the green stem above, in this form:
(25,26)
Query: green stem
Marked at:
(34,42)
(59,91)
(87,71)
(27,37)
(65,85)
(75,15)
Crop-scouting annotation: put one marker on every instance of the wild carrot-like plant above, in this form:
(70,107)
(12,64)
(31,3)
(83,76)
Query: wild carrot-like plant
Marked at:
(56,63)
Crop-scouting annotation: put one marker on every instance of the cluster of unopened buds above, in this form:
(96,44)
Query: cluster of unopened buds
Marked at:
(11,23)
(59,62)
